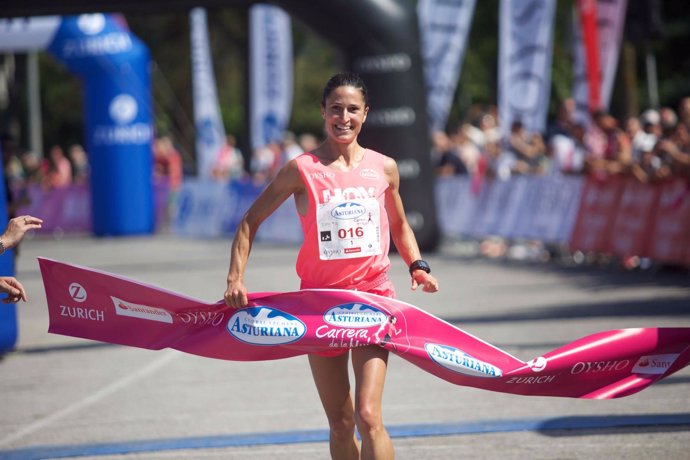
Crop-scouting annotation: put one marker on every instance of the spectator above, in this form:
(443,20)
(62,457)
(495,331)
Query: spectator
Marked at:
(13,235)
(291,149)
(230,162)
(668,120)
(58,169)
(308,142)
(562,125)
(465,149)
(614,154)
(524,153)
(80,164)
(31,164)
(640,141)
(445,157)
(167,162)
(684,111)
(568,152)
(265,162)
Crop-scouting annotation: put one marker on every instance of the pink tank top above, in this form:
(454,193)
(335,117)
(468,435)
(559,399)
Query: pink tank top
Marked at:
(346,231)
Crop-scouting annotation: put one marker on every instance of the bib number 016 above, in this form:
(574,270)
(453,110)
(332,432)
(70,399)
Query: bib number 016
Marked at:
(345,233)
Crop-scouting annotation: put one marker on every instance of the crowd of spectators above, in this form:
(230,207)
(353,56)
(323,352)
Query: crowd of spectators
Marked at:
(55,170)
(651,147)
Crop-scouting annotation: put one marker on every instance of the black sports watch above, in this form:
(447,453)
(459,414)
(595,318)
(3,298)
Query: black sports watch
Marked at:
(420,265)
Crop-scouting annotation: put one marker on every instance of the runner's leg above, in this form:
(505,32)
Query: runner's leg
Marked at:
(370,365)
(333,384)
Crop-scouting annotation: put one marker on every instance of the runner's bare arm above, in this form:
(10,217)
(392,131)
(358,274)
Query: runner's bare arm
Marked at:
(402,233)
(287,182)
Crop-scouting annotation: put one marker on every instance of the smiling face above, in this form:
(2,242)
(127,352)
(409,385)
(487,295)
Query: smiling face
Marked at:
(344,112)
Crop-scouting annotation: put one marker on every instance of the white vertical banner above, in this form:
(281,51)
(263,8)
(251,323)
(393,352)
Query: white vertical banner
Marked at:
(444,26)
(270,72)
(22,35)
(610,24)
(524,66)
(210,132)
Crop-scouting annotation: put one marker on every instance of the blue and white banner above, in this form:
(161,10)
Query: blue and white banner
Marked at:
(21,35)
(210,132)
(270,73)
(610,23)
(524,66)
(444,26)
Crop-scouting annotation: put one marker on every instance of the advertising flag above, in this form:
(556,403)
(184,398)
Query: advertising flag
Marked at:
(210,132)
(270,73)
(524,67)
(444,27)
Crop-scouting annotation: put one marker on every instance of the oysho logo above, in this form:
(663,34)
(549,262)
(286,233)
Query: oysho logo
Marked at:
(348,211)
(123,109)
(368,173)
(265,326)
(77,292)
(654,364)
(135,310)
(91,24)
(458,361)
(355,315)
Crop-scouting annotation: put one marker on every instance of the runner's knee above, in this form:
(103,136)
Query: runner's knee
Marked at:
(342,427)
(369,418)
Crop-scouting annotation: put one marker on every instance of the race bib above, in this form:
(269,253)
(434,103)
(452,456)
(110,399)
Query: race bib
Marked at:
(349,229)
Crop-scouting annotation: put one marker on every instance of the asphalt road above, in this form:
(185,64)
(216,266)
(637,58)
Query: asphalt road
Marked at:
(62,397)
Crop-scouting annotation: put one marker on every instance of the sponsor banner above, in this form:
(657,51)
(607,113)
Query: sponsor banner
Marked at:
(456,205)
(524,66)
(671,224)
(538,207)
(589,38)
(68,210)
(96,305)
(443,27)
(610,24)
(210,132)
(595,217)
(211,209)
(550,209)
(27,34)
(609,16)
(631,226)
(270,71)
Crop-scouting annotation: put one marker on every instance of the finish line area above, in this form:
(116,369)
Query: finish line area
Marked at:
(70,398)
(638,422)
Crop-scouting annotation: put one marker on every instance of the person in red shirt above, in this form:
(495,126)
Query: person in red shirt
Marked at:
(341,177)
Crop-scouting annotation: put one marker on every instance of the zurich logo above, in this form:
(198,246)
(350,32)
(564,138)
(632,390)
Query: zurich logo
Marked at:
(458,361)
(123,109)
(355,315)
(265,326)
(91,24)
(348,210)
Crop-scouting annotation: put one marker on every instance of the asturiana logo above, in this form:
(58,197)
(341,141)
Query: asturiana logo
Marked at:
(460,362)
(265,326)
(355,315)
(348,210)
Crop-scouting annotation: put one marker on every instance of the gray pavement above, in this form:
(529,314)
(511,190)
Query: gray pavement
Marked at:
(68,398)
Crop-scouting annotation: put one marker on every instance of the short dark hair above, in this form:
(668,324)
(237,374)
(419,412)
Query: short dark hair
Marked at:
(345,79)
